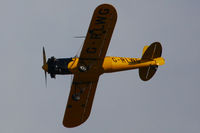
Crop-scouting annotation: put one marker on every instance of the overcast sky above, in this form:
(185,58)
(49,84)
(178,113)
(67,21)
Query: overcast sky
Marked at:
(168,103)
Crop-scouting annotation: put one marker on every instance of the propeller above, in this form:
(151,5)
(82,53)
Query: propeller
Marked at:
(45,66)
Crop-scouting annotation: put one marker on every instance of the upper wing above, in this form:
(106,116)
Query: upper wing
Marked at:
(92,55)
(98,35)
(80,100)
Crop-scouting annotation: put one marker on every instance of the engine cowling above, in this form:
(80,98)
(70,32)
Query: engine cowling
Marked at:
(58,66)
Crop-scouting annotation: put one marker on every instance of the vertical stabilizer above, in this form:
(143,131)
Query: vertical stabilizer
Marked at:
(144,49)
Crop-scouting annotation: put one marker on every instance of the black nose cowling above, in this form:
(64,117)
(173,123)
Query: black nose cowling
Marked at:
(58,66)
(51,66)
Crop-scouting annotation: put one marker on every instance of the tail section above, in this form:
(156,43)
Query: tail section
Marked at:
(144,49)
(151,53)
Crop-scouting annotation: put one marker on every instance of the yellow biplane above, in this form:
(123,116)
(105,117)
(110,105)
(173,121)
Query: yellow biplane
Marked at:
(92,63)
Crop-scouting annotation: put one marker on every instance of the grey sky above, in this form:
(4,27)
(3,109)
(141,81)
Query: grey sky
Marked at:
(168,103)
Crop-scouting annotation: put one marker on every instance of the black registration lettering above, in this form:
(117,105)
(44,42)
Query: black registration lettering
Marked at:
(91,50)
(104,11)
(114,59)
(127,60)
(100,20)
(123,60)
(132,60)
(94,35)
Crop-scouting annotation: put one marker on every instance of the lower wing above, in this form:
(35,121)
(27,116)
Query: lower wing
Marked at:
(80,100)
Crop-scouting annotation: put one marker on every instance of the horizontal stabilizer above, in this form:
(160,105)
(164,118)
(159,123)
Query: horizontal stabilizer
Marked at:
(147,73)
(153,52)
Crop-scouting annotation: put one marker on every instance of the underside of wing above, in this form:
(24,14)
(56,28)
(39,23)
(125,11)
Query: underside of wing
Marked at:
(99,35)
(89,66)
(80,100)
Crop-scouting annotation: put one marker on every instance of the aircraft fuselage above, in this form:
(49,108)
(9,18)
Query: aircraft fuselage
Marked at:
(65,66)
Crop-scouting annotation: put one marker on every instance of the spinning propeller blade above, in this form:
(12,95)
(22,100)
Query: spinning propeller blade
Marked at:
(44,56)
(80,37)
(45,66)
(45,73)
